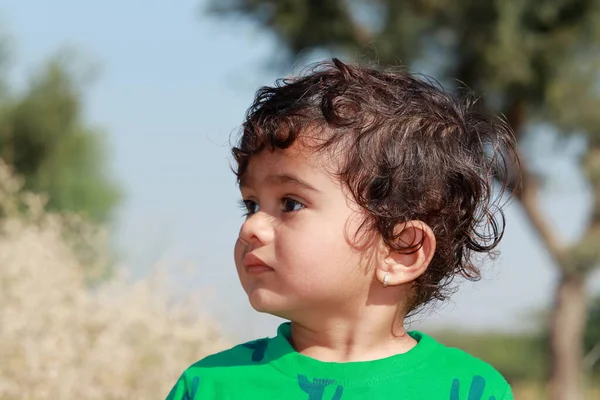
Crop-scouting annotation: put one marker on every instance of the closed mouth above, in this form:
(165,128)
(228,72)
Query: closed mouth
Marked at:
(254,264)
(258,269)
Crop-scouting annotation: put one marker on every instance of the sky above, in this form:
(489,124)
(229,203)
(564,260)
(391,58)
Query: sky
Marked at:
(171,89)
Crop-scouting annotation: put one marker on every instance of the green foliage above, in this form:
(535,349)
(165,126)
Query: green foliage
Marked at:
(592,335)
(593,331)
(44,139)
(536,52)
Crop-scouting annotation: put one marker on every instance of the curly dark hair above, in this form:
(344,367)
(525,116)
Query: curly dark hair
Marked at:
(409,151)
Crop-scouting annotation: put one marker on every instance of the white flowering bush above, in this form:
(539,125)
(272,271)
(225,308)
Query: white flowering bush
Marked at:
(65,333)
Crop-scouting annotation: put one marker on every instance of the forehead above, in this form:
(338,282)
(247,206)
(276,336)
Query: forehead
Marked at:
(296,160)
(280,160)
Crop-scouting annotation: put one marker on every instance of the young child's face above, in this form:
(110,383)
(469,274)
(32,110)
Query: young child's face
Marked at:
(296,254)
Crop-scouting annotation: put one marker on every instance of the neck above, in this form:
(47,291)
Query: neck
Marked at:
(374,336)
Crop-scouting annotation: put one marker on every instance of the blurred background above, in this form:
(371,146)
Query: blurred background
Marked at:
(118,206)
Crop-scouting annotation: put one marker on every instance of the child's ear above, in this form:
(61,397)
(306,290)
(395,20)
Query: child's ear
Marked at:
(400,267)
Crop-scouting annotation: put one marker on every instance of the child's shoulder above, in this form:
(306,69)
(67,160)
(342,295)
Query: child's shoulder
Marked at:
(243,354)
(456,357)
(465,368)
(219,369)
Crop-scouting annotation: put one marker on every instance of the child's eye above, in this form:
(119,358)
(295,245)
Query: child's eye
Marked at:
(249,206)
(291,205)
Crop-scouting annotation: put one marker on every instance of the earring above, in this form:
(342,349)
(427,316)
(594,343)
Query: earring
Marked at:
(386,276)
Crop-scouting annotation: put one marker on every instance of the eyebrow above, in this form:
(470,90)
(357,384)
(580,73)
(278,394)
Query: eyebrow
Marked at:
(280,179)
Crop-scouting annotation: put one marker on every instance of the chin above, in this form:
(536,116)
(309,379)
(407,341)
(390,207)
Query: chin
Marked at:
(266,303)
(261,305)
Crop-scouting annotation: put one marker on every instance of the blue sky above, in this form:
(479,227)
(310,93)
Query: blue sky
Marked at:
(173,85)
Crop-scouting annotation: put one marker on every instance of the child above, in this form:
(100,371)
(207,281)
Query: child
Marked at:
(365,193)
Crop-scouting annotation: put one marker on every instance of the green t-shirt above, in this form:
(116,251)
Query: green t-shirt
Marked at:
(270,368)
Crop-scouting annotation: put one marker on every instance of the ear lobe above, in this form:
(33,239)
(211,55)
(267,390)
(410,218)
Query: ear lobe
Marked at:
(404,266)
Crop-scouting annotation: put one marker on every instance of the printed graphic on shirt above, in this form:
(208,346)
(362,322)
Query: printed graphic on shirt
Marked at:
(475,390)
(191,393)
(316,388)
(259,348)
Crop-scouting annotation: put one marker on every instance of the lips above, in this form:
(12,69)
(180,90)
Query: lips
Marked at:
(254,265)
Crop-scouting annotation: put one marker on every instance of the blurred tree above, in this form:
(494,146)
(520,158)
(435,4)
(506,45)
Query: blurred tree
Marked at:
(44,138)
(536,61)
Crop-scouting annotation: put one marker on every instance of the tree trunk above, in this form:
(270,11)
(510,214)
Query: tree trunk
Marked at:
(569,313)
(567,327)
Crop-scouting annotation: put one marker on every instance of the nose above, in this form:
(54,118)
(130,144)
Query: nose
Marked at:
(257,229)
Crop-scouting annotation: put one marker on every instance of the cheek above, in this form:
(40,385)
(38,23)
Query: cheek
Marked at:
(319,250)
(325,267)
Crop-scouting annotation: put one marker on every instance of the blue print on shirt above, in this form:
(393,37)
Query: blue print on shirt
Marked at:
(191,394)
(259,348)
(316,388)
(475,391)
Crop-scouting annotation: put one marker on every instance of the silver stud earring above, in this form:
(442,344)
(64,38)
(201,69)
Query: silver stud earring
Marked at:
(386,276)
